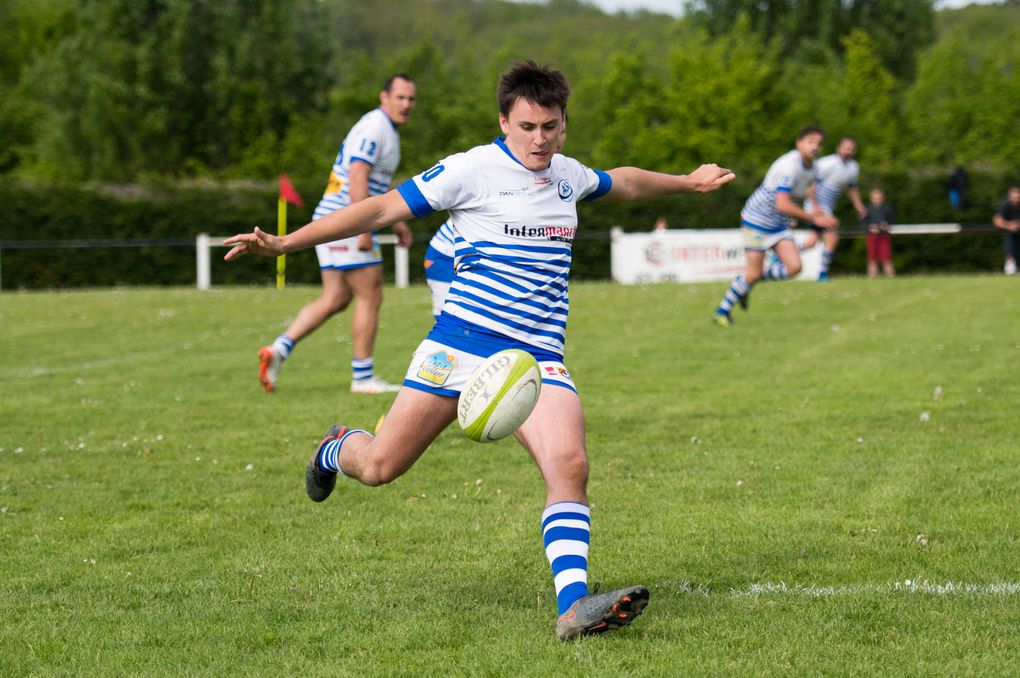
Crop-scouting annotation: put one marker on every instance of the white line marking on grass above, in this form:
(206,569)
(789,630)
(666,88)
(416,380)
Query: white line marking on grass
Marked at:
(908,586)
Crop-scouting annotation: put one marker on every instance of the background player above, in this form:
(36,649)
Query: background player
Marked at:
(439,270)
(513,207)
(833,174)
(765,224)
(351,268)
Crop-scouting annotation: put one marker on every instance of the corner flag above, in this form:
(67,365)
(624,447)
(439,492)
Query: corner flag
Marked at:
(288,194)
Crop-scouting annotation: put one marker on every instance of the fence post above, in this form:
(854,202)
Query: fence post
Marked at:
(202,260)
(400,262)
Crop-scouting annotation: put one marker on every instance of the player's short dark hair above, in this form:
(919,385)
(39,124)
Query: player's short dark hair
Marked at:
(810,129)
(848,137)
(388,85)
(1015,186)
(541,85)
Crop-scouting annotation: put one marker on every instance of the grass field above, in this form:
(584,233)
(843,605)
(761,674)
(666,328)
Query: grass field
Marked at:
(831,487)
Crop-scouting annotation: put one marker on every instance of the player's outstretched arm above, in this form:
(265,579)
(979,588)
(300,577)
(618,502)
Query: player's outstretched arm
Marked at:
(361,217)
(632,183)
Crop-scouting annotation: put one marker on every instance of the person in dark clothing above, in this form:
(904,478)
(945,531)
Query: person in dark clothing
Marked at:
(957,185)
(1007,217)
(877,220)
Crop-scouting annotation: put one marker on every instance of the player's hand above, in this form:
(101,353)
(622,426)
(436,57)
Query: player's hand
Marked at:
(823,220)
(862,213)
(404,235)
(708,178)
(364,242)
(257,242)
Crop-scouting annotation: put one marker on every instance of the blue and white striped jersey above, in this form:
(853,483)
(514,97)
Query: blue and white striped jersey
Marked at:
(439,255)
(788,174)
(513,233)
(442,241)
(373,139)
(833,175)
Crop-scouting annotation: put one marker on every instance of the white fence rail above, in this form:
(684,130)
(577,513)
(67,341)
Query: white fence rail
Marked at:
(205,242)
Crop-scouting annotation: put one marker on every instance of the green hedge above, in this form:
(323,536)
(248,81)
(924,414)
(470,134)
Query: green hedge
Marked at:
(47,212)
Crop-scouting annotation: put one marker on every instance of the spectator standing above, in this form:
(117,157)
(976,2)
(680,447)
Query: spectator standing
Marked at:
(1007,217)
(957,185)
(877,219)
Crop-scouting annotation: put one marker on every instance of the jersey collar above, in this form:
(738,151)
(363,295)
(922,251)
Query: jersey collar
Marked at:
(501,142)
(387,117)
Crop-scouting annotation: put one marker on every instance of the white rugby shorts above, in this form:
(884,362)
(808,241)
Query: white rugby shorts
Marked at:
(760,241)
(439,291)
(443,370)
(342,255)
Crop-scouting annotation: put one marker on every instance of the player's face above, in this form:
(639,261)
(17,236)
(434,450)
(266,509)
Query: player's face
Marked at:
(877,197)
(533,133)
(846,149)
(398,101)
(809,145)
(1014,196)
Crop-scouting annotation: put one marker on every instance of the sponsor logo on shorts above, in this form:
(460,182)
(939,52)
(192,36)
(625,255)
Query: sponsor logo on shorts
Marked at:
(437,367)
(556,372)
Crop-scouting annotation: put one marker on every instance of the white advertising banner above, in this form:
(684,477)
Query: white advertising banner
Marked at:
(691,256)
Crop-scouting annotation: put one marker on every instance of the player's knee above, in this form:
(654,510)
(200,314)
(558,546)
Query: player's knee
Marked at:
(793,269)
(574,467)
(380,471)
(335,302)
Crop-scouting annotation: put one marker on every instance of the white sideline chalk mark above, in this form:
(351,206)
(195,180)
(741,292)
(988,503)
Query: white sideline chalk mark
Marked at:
(908,586)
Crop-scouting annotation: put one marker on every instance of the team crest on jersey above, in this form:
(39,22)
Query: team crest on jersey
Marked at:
(564,189)
(437,367)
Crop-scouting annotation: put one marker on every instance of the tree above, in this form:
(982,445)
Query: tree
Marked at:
(899,28)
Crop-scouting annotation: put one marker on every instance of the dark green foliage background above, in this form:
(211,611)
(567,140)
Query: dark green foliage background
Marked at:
(166,118)
(68,213)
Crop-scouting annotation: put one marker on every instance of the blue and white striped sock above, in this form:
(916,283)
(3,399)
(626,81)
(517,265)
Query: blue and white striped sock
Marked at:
(329,454)
(362,368)
(565,530)
(283,346)
(738,288)
(776,271)
(826,261)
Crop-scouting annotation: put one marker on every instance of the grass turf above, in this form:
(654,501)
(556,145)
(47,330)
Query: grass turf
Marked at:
(775,485)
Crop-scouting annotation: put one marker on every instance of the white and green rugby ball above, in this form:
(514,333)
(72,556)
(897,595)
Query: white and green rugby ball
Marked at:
(499,396)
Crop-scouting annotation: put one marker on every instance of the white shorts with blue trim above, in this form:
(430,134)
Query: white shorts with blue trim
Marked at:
(341,255)
(759,241)
(439,291)
(443,370)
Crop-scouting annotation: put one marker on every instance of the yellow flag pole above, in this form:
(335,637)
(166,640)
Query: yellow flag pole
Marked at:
(281,230)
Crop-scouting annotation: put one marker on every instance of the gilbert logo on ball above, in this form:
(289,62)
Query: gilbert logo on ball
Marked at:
(499,396)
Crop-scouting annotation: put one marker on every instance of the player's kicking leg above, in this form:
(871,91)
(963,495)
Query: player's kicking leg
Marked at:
(554,435)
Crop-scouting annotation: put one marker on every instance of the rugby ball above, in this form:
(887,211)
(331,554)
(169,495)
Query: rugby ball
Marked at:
(499,395)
